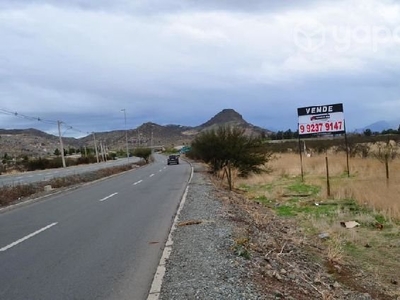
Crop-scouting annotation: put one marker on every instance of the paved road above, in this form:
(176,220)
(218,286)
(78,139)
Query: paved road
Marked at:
(102,241)
(44,175)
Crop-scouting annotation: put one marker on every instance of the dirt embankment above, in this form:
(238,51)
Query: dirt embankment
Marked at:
(293,263)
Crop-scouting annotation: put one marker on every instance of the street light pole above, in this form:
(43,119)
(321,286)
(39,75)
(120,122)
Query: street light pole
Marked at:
(126,134)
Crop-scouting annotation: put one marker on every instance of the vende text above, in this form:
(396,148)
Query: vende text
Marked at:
(319,109)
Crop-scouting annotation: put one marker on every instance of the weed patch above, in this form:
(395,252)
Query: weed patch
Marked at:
(241,247)
(304,189)
(286,211)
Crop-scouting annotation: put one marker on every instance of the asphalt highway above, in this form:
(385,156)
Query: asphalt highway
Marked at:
(101,241)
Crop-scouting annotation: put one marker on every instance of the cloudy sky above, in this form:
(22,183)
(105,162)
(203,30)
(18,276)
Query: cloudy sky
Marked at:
(182,61)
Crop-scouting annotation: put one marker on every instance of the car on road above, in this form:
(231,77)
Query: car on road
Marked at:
(173,159)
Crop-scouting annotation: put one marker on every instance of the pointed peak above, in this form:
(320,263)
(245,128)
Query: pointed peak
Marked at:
(227,115)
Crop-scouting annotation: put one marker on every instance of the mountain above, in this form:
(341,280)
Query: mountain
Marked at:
(226,116)
(145,135)
(34,142)
(172,135)
(31,142)
(229,117)
(380,126)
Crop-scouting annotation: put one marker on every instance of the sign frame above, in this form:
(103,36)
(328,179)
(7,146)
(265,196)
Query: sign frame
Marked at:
(321,119)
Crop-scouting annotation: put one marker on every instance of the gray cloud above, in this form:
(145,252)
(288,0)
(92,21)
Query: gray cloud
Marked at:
(149,7)
(83,61)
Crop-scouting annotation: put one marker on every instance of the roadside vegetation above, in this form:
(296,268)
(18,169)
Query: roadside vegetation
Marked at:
(230,152)
(73,157)
(366,197)
(11,194)
(351,234)
(25,163)
(143,153)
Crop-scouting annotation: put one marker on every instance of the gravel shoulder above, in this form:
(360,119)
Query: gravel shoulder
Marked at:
(226,247)
(202,264)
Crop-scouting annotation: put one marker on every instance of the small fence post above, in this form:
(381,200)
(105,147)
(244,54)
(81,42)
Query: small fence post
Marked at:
(328,185)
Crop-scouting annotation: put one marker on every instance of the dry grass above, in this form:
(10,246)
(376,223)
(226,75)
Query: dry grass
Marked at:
(335,252)
(366,196)
(367,183)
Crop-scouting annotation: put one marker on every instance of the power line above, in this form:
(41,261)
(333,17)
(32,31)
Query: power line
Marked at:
(30,118)
(22,116)
(53,122)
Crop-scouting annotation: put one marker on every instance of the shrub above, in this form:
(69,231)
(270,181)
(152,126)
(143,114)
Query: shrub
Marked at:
(143,153)
(228,148)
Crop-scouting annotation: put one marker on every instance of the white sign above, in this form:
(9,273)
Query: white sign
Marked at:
(321,119)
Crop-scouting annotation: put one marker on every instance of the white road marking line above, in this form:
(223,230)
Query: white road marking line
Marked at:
(160,171)
(108,197)
(158,279)
(165,168)
(27,237)
(152,175)
(136,183)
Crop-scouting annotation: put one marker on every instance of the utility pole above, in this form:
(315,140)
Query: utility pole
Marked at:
(102,151)
(105,151)
(95,147)
(61,144)
(151,143)
(126,135)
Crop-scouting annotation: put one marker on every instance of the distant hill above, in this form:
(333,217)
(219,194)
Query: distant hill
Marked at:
(172,135)
(29,131)
(225,117)
(380,126)
(168,135)
(229,117)
(31,142)
(37,143)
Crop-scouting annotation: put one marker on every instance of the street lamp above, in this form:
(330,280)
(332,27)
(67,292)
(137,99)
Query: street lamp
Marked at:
(126,134)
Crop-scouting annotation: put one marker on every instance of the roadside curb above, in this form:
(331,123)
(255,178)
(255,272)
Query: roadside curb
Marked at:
(155,289)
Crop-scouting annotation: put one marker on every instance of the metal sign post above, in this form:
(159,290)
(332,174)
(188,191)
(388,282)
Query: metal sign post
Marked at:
(301,161)
(347,150)
(321,119)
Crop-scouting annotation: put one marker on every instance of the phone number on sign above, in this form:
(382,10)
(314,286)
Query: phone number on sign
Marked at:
(321,127)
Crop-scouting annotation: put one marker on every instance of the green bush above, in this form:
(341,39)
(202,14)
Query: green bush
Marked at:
(227,148)
(143,153)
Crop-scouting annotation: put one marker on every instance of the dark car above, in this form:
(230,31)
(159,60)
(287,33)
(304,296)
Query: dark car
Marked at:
(173,159)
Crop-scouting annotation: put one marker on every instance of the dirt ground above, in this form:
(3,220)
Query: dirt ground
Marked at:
(289,262)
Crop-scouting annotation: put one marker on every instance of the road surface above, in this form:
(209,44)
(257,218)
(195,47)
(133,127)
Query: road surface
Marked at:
(44,175)
(101,241)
